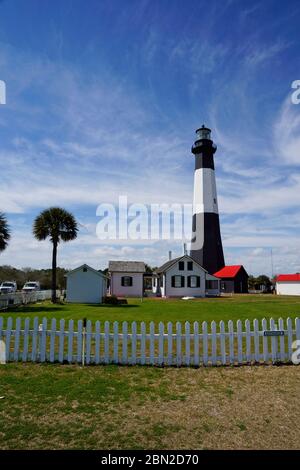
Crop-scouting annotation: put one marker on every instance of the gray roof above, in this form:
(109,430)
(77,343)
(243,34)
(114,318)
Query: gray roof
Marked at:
(170,263)
(127,266)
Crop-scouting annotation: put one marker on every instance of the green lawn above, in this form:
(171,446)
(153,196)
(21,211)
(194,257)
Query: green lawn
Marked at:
(151,309)
(111,407)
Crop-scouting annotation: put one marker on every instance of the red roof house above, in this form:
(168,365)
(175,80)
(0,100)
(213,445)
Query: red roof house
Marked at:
(234,279)
(288,284)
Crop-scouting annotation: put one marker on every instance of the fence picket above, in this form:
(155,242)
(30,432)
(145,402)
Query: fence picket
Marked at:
(1,328)
(265,341)
(143,343)
(106,342)
(97,341)
(34,339)
(239,341)
(43,340)
(178,344)
(17,339)
(231,342)
(70,341)
(124,342)
(205,343)
(290,337)
(222,342)
(116,342)
(61,340)
(133,343)
(170,344)
(248,341)
(161,344)
(273,341)
(88,342)
(79,341)
(187,343)
(25,340)
(152,344)
(213,343)
(282,354)
(52,340)
(256,340)
(196,343)
(9,325)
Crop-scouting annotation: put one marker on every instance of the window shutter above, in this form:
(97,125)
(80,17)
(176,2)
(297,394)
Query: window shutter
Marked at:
(182,281)
(173,281)
(198,281)
(122,281)
(130,282)
(189,281)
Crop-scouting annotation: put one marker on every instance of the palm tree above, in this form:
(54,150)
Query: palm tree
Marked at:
(58,225)
(4,232)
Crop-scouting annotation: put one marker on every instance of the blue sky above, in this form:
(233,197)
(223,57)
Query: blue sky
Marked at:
(103,98)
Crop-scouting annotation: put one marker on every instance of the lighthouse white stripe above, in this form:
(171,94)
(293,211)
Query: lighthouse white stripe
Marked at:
(205,191)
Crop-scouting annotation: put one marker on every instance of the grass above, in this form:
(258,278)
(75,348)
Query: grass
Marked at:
(110,407)
(152,309)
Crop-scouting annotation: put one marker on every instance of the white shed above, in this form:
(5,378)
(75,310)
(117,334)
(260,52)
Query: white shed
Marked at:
(288,284)
(86,285)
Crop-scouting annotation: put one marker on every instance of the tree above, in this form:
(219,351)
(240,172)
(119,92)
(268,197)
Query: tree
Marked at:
(4,232)
(58,225)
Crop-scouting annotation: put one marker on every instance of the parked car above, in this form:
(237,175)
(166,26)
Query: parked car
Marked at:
(31,286)
(8,287)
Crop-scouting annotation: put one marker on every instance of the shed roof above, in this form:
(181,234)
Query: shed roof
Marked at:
(127,266)
(229,271)
(99,273)
(288,277)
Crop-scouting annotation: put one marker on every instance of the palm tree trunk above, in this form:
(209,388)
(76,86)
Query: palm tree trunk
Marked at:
(54,256)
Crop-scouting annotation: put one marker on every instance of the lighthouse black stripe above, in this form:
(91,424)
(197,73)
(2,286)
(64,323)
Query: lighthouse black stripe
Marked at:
(204,161)
(210,256)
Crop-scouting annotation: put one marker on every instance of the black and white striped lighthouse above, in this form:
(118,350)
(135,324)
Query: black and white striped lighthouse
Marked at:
(206,244)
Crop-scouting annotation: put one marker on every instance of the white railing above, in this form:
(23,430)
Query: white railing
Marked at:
(171,344)
(21,298)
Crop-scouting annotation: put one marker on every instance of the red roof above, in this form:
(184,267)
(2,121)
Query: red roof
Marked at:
(228,271)
(288,277)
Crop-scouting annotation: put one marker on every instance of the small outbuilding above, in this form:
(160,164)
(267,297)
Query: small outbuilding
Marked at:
(288,284)
(234,279)
(184,277)
(86,285)
(126,278)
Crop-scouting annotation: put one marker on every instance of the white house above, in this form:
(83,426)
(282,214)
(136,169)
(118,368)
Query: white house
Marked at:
(288,284)
(126,278)
(86,285)
(184,277)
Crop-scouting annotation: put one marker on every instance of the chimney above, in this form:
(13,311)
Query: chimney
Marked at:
(170,255)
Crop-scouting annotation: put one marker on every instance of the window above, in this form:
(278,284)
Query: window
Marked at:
(193,281)
(126,281)
(190,265)
(223,285)
(177,281)
(181,265)
(211,284)
(84,270)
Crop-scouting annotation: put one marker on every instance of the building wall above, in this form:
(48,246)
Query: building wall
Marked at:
(288,288)
(85,287)
(185,291)
(136,290)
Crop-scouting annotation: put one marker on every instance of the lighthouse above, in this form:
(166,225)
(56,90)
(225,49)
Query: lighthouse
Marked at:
(206,243)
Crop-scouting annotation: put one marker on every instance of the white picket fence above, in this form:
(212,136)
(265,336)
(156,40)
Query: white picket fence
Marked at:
(171,344)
